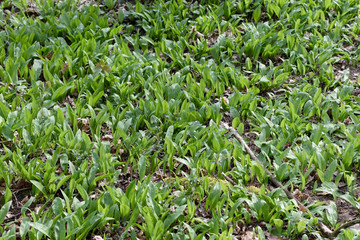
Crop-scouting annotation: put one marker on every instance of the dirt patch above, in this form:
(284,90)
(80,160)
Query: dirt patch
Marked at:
(354,74)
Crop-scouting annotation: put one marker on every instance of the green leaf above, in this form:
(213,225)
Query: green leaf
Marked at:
(93,99)
(39,186)
(281,77)
(348,156)
(37,67)
(169,132)
(4,210)
(259,172)
(240,128)
(174,91)
(214,196)
(329,187)
(27,205)
(278,223)
(4,110)
(62,181)
(60,229)
(216,145)
(121,15)
(142,167)
(235,123)
(301,225)
(47,75)
(248,64)
(8,195)
(227,9)
(257,13)
(59,93)
(234,113)
(261,235)
(41,227)
(331,214)
(57,206)
(327,4)
(82,192)
(351,200)
(330,171)
(173,216)
(124,207)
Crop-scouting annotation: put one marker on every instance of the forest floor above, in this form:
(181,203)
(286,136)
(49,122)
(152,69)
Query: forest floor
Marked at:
(126,119)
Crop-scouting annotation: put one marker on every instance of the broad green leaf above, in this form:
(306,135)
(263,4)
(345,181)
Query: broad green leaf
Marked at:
(171,218)
(41,228)
(62,181)
(60,92)
(27,205)
(39,186)
(351,200)
(236,122)
(142,167)
(57,206)
(82,192)
(169,132)
(174,91)
(278,223)
(4,210)
(348,156)
(257,13)
(301,225)
(329,187)
(331,214)
(214,196)
(37,67)
(216,145)
(330,171)
(59,229)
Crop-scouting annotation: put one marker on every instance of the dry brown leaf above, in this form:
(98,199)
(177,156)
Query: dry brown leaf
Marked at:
(65,67)
(49,56)
(302,208)
(248,235)
(24,200)
(22,183)
(107,138)
(85,123)
(273,237)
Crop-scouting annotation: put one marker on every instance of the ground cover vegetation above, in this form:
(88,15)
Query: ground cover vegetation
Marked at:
(179,119)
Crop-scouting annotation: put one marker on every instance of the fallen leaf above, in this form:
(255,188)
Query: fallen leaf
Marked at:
(65,67)
(248,235)
(85,123)
(24,200)
(107,138)
(302,208)
(22,183)
(273,237)
(49,56)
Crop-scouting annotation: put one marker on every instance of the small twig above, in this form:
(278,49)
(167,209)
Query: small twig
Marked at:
(288,88)
(228,179)
(344,225)
(324,229)
(252,155)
